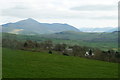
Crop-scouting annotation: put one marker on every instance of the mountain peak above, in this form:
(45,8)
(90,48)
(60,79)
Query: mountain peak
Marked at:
(30,19)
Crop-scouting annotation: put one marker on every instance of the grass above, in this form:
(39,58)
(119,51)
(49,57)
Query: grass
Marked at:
(103,41)
(25,64)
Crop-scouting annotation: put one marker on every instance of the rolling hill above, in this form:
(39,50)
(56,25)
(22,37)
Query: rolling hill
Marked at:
(103,41)
(89,37)
(31,26)
(25,64)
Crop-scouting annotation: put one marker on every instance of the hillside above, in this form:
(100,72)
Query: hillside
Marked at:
(71,35)
(84,36)
(31,27)
(99,40)
(24,64)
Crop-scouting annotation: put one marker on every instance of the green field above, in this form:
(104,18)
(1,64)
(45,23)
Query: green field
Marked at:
(103,41)
(25,64)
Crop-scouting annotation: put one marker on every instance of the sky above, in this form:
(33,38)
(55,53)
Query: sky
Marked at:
(78,13)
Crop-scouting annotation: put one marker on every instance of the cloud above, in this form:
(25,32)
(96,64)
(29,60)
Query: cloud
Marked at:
(58,9)
(68,11)
(95,8)
(106,18)
(22,11)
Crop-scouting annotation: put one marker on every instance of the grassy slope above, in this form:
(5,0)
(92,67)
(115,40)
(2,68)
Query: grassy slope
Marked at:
(73,38)
(25,64)
(93,37)
(102,41)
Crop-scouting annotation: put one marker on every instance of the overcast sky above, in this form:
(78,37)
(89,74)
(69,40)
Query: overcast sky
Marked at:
(79,13)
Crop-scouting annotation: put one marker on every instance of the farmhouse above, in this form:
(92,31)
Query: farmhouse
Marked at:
(89,53)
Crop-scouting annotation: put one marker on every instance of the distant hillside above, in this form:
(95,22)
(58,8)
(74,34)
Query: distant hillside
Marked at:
(70,35)
(112,30)
(99,40)
(89,37)
(105,29)
(31,26)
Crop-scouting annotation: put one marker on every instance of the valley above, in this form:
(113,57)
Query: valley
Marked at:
(42,50)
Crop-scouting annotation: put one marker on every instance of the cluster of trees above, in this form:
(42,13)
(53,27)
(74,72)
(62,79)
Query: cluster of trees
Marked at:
(110,55)
(12,43)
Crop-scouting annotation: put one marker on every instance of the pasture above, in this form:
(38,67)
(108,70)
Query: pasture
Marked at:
(26,64)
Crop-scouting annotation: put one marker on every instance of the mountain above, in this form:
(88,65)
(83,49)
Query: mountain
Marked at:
(112,30)
(105,29)
(31,26)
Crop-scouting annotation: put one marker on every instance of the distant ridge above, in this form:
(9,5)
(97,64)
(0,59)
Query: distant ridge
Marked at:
(31,26)
(104,29)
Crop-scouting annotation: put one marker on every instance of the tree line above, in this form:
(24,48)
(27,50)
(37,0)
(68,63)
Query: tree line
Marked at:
(63,49)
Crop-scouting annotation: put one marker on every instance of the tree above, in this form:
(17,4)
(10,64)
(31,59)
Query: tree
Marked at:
(25,44)
(60,47)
